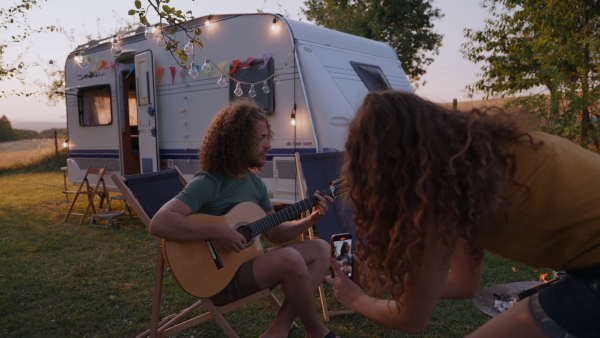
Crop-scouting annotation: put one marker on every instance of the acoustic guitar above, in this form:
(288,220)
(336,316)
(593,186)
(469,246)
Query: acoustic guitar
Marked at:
(204,268)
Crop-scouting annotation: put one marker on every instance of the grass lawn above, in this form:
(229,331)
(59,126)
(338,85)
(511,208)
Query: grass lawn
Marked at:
(70,280)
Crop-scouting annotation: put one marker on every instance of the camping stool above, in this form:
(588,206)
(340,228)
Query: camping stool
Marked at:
(109,214)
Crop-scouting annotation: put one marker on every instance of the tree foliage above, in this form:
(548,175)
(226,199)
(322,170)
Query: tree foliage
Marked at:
(553,45)
(407,25)
(14,19)
(176,20)
(7,133)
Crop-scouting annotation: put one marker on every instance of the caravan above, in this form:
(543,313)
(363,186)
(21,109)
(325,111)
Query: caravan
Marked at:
(140,112)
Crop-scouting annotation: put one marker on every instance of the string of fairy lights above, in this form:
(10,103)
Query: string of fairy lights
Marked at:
(193,70)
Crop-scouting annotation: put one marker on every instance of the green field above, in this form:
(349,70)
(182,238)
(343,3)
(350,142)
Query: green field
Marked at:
(70,280)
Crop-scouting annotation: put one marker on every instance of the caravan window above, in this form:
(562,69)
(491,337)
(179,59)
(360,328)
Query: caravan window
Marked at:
(372,76)
(256,73)
(94,106)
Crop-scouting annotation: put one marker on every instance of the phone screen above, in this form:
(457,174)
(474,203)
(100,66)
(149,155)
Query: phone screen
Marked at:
(341,251)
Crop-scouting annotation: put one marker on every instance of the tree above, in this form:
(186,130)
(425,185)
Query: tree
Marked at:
(14,19)
(7,132)
(553,45)
(407,25)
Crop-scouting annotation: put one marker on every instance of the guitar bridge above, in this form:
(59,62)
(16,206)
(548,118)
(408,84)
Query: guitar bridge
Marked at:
(215,254)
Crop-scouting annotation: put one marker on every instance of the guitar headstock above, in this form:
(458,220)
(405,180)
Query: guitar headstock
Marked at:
(338,187)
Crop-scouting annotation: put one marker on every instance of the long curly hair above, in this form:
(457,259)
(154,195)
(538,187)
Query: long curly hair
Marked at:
(414,167)
(232,137)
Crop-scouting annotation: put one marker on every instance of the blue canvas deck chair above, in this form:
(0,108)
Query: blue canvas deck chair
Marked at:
(146,194)
(317,170)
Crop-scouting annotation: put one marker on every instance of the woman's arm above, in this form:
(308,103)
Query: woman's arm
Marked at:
(464,275)
(424,286)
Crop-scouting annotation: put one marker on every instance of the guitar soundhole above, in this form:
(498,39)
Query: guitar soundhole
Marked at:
(246,232)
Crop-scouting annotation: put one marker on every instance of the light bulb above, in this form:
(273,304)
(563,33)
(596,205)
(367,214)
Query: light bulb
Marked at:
(82,61)
(207,22)
(222,82)
(193,71)
(116,47)
(52,68)
(238,90)
(276,80)
(293,121)
(189,48)
(274,24)
(20,73)
(206,66)
(266,88)
(149,33)
(252,91)
(161,41)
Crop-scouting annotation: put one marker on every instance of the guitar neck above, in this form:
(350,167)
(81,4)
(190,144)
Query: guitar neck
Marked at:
(285,214)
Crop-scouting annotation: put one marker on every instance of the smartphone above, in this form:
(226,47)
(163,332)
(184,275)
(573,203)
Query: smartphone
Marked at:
(341,251)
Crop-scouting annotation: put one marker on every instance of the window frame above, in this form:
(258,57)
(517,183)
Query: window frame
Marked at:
(364,72)
(82,103)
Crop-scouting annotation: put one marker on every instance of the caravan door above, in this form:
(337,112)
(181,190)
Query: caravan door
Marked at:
(146,101)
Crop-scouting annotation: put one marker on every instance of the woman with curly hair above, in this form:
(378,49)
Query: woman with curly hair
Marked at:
(237,142)
(432,188)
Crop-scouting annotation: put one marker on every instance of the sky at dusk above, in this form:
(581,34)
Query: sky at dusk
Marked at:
(446,77)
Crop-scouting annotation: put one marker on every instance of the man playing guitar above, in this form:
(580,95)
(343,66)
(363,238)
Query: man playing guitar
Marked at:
(235,145)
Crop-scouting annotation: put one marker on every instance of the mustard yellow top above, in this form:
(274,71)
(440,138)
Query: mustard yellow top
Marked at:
(554,220)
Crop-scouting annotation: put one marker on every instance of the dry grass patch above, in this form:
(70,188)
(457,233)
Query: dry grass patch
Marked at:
(24,152)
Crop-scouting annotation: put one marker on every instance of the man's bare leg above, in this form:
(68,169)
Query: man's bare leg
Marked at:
(299,268)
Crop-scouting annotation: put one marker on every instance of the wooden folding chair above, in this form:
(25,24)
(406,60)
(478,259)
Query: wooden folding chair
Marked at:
(314,172)
(92,185)
(146,193)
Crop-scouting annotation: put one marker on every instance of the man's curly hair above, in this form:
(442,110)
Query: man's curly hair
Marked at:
(414,167)
(231,140)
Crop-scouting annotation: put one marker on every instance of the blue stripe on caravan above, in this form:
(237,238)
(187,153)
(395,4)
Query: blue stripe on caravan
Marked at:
(184,154)
(178,154)
(94,153)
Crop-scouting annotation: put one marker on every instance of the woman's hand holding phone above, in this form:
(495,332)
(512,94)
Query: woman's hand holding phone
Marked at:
(345,290)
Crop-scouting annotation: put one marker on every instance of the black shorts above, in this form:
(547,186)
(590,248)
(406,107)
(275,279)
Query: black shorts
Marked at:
(241,285)
(571,307)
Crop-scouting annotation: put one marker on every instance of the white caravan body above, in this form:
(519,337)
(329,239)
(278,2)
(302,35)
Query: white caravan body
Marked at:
(140,112)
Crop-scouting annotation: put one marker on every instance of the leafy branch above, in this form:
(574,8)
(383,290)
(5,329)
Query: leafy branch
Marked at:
(175,20)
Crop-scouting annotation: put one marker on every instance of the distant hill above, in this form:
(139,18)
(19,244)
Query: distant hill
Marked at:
(37,126)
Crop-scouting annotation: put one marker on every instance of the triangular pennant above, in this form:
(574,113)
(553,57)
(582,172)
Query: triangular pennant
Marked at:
(266,59)
(221,68)
(248,62)
(173,72)
(95,65)
(159,72)
(131,69)
(234,68)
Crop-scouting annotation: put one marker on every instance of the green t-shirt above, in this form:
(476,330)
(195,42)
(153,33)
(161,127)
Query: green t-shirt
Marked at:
(216,193)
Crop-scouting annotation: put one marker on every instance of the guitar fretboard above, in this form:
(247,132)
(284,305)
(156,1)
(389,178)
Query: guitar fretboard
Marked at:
(285,214)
